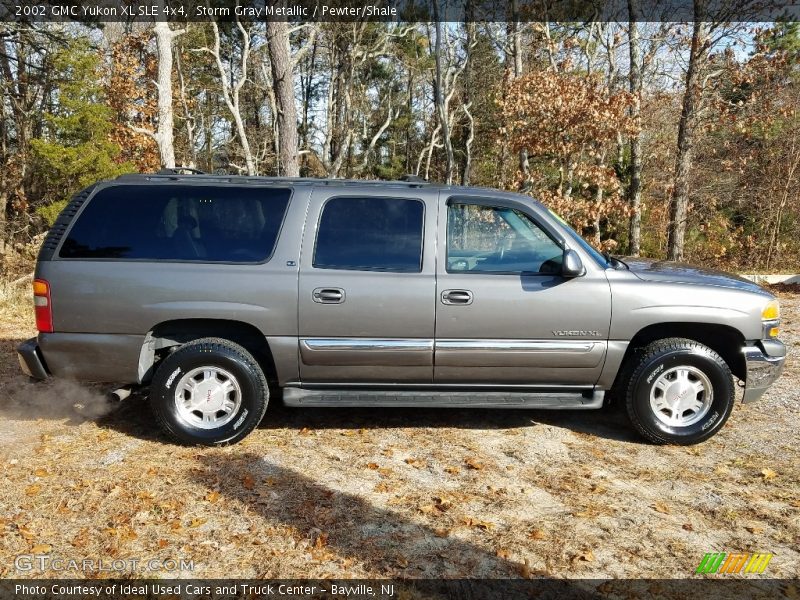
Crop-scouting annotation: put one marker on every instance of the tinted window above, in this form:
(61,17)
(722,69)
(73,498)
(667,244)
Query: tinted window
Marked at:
(496,239)
(169,222)
(376,234)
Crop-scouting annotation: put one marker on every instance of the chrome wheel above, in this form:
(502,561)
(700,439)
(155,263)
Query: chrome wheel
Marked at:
(681,396)
(207,397)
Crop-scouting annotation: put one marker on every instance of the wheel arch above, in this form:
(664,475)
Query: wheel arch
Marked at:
(725,340)
(168,335)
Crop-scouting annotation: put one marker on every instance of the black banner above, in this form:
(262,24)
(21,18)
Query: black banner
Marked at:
(455,589)
(32,11)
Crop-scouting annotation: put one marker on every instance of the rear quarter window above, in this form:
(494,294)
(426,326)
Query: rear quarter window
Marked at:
(182,223)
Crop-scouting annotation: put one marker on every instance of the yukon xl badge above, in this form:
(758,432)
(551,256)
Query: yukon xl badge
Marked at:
(575,333)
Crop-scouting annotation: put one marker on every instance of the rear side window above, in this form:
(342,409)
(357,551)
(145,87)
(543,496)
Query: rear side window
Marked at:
(370,234)
(168,222)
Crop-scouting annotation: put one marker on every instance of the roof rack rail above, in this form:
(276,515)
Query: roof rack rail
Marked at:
(195,176)
(180,171)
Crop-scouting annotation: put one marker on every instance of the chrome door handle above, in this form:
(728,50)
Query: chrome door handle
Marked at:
(328,295)
(462,297)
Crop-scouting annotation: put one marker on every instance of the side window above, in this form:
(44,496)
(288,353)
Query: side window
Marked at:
(370,234)
(491,239)
(171,222)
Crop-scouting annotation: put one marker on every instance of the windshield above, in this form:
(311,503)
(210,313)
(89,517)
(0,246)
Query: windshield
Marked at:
(598,258)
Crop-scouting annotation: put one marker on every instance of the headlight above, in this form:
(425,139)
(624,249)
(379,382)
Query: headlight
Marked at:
(771,319)
(771,311)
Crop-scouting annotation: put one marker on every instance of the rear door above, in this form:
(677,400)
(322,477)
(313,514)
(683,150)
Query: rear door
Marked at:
(504,313)
(367,286)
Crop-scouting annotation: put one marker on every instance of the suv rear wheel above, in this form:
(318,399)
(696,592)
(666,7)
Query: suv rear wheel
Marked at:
(679,392)
(210,391)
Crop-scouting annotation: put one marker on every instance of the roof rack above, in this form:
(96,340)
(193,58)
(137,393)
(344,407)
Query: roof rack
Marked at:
(195,175)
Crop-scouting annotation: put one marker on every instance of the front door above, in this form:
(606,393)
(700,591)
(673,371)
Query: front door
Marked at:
(367,283)
(504,313)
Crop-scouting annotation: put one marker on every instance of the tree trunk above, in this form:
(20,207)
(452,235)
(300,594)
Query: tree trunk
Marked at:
(164,135)
(516,52)
(283,80)
(635,87)
(679,202)
(439,96)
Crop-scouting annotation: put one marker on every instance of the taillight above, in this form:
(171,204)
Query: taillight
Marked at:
(42,305)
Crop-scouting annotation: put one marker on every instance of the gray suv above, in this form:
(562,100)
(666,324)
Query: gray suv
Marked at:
(218,292)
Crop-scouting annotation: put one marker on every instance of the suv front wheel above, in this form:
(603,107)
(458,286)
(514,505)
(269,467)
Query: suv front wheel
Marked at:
(680,392)
(210,391)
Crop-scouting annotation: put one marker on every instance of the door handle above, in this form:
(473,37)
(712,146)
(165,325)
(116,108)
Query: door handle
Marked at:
(462,297)
(328,295)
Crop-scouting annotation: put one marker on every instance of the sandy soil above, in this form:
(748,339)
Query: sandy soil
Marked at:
(385,493)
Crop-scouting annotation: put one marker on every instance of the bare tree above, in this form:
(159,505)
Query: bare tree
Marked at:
(439,97)
(164,134)
(635,88)
(232,85)
(282,66)
(679,201)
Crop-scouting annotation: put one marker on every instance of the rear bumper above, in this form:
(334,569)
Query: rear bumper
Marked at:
(30,359)
(764,362)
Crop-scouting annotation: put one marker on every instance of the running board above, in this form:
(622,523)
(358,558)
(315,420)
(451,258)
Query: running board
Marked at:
(443,399)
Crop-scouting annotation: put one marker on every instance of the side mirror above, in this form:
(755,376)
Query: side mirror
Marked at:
(572,265)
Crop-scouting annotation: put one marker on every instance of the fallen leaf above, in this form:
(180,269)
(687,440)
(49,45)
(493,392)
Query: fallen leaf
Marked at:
(25,532)
(687,527)
(248,482)
(197,521)
(474,464)
(383,487)
(162,543)
(754,529)
(586,556)
(373,466)
(768,474)
(502,553)
(212,497)
(41,549)
(305,431)
(41,473)
(662,508)
(452,470)
(33,490)
(537,534)
(470,522)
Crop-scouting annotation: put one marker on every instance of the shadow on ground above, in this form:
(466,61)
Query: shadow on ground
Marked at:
(133,417)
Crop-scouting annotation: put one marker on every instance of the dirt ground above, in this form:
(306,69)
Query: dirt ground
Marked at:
(391,493)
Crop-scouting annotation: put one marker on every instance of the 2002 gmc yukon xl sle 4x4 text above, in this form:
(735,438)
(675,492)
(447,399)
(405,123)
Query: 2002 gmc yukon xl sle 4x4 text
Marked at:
(213,290)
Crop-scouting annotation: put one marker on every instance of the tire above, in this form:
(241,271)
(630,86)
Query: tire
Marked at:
(679,392)
(210,392)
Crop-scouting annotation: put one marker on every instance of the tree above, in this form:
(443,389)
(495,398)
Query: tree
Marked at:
(282,66)
(567,122)
(76,150)
(635,88)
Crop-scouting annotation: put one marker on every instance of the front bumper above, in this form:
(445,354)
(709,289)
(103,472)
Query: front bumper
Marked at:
(30,359)
(764,362)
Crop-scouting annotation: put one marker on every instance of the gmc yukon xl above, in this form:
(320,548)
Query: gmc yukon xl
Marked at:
(218,292)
